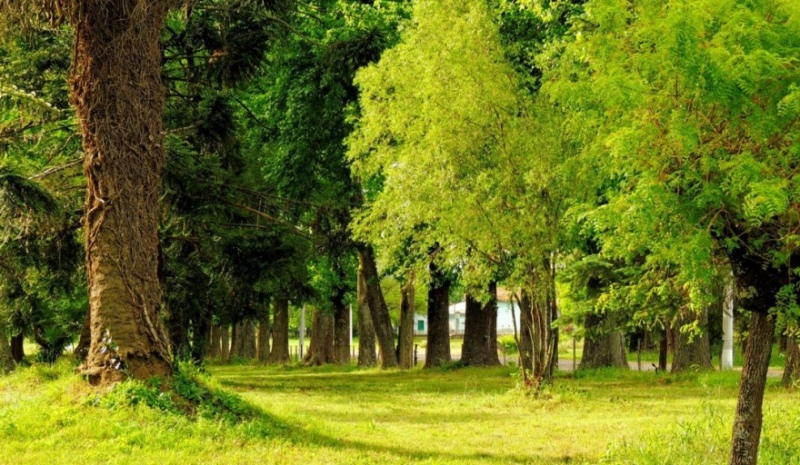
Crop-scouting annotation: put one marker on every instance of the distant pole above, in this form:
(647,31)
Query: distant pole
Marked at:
(726,360)
(302,330)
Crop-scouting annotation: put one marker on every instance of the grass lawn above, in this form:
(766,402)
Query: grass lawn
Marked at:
(333,415)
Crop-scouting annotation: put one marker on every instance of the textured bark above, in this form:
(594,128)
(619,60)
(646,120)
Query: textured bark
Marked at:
(480,331)
(694,353)
(437,352)
(18,347)
(279,354)
(366,332)
(263,338)
(244,340)
(320,351)
(6,360)
(791,372)
(381,322)
(116,89)
(749,417)
(604,345)
(85,339)
(341,328)
(405,337)
(225,352)
(215,350)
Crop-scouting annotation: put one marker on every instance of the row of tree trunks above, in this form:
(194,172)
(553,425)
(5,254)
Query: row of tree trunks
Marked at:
(480,331)
(244,340)
(366,332)
(405,337)
(437,352)
(379,312)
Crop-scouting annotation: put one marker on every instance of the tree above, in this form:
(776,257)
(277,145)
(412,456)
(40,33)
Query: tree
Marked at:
(697,124)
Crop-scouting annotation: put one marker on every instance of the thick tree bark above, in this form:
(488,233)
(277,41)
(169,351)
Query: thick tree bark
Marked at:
(341,327)
(478,331)
(18,348)
(692,352)
(604,345)
(366,332)
(216,342)
(85,339)
(279,354)
(405,337)
(116,89)
(244,340)
(225,343)
(437,352)
(749,417)
(791,372)
(320,351)
(263,338)
(6,360)
(377,308)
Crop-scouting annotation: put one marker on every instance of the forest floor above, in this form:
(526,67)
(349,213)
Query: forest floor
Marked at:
(344,415)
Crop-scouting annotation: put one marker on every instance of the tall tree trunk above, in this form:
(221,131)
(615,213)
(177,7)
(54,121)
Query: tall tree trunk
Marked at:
(692,352)
(749,417)
(366,332)
(478,334)
(244,340)
(225,343)
(320,351)
(263,338)
(201,326)
(116,89)
(438,351)
(377,308)
(663,348)
(791,372)
(216,342)
(341,327)
(18,347)
(279,354)
(525,342)
(6,360)
(178,329)
(604,345)
(405,337)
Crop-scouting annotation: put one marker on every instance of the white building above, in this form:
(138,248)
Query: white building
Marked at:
(506,318)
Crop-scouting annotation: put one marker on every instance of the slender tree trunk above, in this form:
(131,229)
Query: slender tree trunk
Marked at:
(341,327)
(263,338)
(377,308)
(692,352)
(216,342)
(6,360)
(279,355)
(116,89)
(438,351)
(525,342)
(663,349)
(749,417)
(791,372)
(320,351)
(604,345)
(244,340)
(225,353)
(201,335)
(405,338)
(366,332)
(18,347)
(480,332)
(178,329)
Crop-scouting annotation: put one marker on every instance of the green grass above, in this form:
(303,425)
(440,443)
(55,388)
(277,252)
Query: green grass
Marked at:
(330,415)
